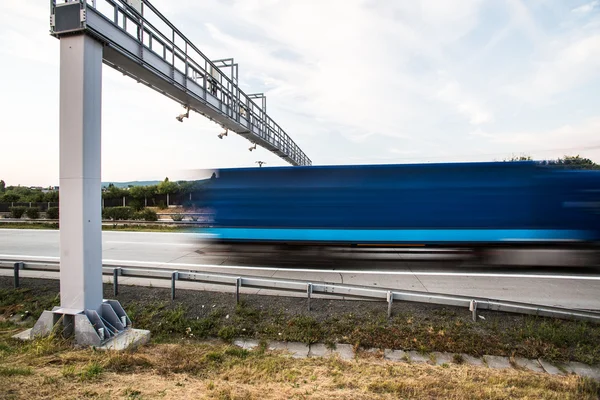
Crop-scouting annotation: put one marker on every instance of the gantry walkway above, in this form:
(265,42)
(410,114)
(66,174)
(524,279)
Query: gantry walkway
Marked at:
(141,43)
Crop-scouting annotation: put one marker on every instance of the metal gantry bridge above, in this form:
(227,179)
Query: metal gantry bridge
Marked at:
(141,43)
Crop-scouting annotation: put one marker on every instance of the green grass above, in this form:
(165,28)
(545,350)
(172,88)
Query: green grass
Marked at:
(530,337)
(91,371)
(14,371)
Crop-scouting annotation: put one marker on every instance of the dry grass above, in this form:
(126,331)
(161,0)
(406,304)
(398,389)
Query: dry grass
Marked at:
(217,371)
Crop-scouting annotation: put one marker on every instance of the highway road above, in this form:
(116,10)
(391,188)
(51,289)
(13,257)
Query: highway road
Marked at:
(562,287)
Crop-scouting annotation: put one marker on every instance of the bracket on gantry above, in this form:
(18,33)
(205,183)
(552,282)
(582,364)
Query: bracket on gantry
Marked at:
(260,96)
(228,63)
(180,117)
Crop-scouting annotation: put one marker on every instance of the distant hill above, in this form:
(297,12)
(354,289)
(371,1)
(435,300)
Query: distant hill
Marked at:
(134,183)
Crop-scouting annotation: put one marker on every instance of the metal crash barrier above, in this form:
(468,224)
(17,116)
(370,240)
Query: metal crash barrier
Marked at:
(473,304)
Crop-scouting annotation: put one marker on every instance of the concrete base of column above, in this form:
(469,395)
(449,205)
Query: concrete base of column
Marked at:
(109,327)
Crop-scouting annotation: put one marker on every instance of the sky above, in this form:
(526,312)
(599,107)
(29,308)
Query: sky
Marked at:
(352,82)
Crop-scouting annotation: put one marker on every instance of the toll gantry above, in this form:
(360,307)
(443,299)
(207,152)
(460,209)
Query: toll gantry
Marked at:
(134,38)
(141,43)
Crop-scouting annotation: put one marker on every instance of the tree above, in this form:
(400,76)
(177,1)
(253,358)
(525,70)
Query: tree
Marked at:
(10,196)
(572,162)
(2,186)
(142,192)
(167,187)
(522,157)
(113,192)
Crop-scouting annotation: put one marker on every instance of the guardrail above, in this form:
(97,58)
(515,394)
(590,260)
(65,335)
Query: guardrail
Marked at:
(310,288)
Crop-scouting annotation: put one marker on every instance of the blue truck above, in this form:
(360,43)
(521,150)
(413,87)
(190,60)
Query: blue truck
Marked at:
(450,204)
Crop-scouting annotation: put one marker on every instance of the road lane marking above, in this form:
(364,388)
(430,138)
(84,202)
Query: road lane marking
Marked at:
(151,243)
(155,264)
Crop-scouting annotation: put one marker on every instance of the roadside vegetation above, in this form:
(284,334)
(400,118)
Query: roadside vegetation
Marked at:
(106,227)
(190,353)
(200,315)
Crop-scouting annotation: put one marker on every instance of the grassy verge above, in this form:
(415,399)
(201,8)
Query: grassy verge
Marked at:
(220,371)
(197,315)
(178,365)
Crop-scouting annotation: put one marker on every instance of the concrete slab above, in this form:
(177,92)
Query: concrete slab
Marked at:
(550,368)
(395,355)
(298,350)
(130,338)
(417,357)
(583,370)
(276,345)
(531,365)
(442,358)
(345,351)
(247,344)
(251,344)
(319,350)
(470,360)
(373,352)
(25,335)
(497,362)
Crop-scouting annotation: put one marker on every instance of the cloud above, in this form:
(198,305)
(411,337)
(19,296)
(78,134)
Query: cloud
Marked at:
(351,81)
(586,8)
(452,93)
(581,138)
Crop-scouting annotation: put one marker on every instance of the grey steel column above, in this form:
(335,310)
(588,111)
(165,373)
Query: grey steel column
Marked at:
(80,204)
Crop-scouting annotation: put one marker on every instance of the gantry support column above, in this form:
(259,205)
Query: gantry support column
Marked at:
(80,172)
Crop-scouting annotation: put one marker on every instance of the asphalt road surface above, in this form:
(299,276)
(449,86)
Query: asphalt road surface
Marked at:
(408,270)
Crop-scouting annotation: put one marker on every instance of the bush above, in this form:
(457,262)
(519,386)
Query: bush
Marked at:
(146,215)
(17,212)
(136,204)
(177,217)
(117,213)
(33,212)
(52,213)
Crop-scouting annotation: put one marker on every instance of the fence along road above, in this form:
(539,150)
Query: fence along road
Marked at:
(572,288)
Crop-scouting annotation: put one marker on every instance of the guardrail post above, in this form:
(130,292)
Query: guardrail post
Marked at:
(390,301)
(17,266)
(116,272)
(473,309)
(174,277)
(309,293)
(238,285)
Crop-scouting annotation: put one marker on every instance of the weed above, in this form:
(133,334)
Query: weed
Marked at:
(132,393)
(214,357)
(432,358)
(588,386)
(228,333)
(91,371)
(50,380)
(14,371)
(458,359)
(303,329)
(68,371)
(236,352)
